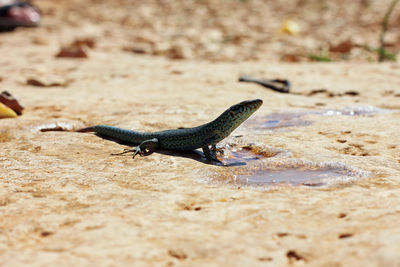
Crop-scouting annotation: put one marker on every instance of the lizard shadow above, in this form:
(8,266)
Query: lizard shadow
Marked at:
(192,154)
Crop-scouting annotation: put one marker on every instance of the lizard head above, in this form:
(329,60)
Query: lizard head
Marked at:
(234,116)
(244,109)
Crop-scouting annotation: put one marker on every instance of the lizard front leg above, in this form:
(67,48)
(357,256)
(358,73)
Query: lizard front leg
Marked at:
(211,154)
(145,148)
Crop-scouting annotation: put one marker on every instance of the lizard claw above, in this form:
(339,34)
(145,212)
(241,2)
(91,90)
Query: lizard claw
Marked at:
(138,151)
(145,148)
(220,151)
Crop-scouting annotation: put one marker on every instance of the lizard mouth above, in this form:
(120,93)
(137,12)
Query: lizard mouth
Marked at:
(245,107)
(252,104)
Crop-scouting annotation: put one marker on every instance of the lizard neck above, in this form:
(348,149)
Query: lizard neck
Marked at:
(225,124)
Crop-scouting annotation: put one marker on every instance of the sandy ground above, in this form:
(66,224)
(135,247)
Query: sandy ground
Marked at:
(64,200)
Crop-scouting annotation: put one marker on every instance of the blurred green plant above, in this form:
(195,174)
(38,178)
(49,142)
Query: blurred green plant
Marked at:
(319,58)
(323,56)
(383,54)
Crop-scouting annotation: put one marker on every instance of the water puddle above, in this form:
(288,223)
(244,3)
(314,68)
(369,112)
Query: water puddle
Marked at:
(354,111)
(280,120)
(286,172)
(236,156)
(288,177)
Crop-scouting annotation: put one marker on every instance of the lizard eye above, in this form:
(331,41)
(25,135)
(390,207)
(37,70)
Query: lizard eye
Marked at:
(235,108)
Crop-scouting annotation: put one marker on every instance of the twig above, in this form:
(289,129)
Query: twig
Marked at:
(284,85)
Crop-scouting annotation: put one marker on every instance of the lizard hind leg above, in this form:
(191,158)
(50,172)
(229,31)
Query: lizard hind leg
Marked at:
(145,148)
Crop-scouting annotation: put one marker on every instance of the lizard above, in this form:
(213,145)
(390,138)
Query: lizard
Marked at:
(205,136)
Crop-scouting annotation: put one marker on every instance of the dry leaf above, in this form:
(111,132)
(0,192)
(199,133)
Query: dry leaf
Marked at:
(290,58)
(72,51)
(8,100)
(343,47)
(77,49)
(55,127)
(47,82)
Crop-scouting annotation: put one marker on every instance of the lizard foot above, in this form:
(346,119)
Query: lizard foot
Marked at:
(144,149)
(211,154)
(216,150)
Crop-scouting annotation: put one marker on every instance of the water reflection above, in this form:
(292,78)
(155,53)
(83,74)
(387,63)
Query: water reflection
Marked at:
(285,172)
(279,120)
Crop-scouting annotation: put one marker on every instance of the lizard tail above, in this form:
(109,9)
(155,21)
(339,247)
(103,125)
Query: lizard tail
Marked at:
(86,130)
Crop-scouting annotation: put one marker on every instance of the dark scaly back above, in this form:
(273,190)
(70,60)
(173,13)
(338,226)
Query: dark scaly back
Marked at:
(209,133)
